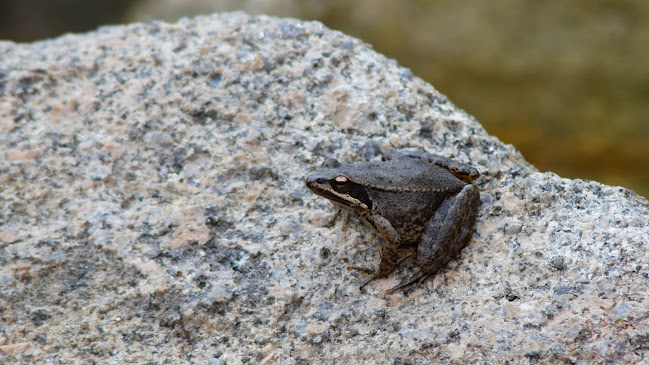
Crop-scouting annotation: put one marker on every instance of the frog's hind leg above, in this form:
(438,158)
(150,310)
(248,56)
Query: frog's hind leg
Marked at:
(447,233)
(461,171)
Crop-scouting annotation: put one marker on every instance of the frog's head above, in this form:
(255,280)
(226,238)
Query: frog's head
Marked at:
(335,183)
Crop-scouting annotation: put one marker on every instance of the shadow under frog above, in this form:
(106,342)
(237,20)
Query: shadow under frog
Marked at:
(411,198)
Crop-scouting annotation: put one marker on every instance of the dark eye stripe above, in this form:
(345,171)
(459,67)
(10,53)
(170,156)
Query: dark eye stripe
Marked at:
(360,193)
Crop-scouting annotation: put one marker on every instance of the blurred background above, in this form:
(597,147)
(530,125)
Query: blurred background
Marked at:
(567,83)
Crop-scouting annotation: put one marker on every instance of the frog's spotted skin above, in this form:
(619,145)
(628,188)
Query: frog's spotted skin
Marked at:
(411,198)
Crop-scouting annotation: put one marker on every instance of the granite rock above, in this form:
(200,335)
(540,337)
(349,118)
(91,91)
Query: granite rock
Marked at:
(154,210)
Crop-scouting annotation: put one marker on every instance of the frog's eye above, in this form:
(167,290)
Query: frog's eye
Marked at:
(341,184)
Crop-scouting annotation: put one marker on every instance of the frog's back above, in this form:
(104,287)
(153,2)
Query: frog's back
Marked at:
(399,175)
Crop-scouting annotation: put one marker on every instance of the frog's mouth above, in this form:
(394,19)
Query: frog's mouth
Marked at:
(348,205)
(342,203)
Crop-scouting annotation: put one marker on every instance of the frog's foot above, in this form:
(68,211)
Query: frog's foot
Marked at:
(376,274)
(362,269)
(418,278)
(381,272)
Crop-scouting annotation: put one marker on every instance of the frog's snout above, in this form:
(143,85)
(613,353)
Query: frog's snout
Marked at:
(315,180)
(316,177)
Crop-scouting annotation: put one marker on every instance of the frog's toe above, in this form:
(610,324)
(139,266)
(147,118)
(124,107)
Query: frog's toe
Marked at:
(376,275)
(418,278)
(362,269)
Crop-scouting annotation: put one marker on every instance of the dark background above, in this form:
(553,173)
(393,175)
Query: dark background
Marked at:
(567,83)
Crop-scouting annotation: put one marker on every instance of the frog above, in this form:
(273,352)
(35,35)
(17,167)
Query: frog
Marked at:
(408,198)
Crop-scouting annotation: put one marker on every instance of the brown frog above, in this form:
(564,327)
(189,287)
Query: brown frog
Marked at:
(411,198)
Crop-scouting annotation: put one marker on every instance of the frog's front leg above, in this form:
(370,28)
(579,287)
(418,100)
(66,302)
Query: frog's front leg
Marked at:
(446,234)
(333,220)
(389,252)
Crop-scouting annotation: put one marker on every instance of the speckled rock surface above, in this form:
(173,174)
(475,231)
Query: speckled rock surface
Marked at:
(154,210)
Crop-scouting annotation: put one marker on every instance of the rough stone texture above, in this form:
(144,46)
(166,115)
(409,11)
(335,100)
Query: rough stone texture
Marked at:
(154,210)
(574,72)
